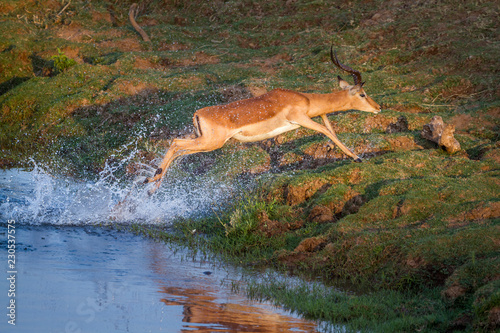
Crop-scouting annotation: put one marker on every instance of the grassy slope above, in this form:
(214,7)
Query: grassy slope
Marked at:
(409,217)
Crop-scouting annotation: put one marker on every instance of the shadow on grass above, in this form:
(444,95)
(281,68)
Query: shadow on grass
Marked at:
(11,84)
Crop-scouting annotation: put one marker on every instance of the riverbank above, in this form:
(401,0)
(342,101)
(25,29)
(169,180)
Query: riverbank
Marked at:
(421,270)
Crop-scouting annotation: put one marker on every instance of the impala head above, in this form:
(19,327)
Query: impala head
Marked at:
(358,99)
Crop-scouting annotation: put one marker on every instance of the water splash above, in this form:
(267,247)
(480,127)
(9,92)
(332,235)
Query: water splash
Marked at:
(37,197)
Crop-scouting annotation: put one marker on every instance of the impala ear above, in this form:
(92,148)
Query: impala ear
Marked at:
(354,89)
(343,84)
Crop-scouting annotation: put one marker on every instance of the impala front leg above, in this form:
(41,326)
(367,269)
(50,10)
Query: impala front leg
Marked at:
(328,125)
(307,122)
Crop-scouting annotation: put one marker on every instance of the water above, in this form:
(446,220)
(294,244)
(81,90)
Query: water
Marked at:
(73,276)
(87,279)
(37,197)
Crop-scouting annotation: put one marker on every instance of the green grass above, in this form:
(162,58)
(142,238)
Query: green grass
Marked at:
(381,311)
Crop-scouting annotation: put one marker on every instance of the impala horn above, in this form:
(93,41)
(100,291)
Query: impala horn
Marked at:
(355,74)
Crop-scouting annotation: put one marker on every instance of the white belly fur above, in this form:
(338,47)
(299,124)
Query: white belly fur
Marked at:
(267,135)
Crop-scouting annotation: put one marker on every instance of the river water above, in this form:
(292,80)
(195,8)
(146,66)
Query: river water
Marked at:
(70,275)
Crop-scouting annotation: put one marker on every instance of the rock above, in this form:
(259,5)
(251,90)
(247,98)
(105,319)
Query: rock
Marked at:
(448,141)
(442,134)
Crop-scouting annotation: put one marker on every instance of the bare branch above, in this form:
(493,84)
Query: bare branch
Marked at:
(65,7)
(131,15)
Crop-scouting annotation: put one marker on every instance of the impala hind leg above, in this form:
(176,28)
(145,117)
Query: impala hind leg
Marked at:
(178,148)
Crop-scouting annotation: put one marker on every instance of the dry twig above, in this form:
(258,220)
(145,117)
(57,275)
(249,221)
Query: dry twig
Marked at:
(131,15)
(64,8)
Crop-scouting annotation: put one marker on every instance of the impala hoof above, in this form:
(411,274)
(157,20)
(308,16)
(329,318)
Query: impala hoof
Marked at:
(146,181)
(358,160)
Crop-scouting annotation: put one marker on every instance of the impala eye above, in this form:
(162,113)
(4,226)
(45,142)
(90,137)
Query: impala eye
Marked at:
(362,95)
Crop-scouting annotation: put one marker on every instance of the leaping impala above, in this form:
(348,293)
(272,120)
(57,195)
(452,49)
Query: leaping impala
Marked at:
(267,116)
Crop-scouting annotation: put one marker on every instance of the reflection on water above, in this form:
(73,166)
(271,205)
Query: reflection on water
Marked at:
(203,313)
(86,279)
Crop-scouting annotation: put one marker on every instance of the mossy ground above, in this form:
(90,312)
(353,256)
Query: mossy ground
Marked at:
(411,217)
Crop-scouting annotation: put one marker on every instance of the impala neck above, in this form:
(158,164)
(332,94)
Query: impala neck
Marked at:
(327,103)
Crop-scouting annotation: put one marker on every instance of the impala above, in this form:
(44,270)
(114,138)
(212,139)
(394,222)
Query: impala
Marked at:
(267,116)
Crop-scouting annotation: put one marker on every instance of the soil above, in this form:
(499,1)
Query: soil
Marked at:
(75,33)
(272,228)
(141,63)
(310,244)
(466,122)
(6,7)
(199,58)
(401,125)
(377,121)
(102,16)
(124,45)
(494,318)
(321,214)
(295,195)
(454,291)
(132,87)
(403,143)
(479,213)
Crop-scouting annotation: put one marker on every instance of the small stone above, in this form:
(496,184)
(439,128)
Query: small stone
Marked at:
(442,134)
